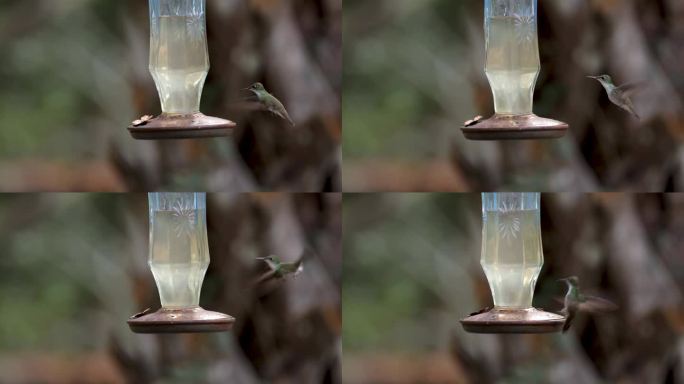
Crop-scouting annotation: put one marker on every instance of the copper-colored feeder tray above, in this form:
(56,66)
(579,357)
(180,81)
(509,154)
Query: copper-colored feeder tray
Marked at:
(167,127)
(530,320)
(190,320)
(510,127)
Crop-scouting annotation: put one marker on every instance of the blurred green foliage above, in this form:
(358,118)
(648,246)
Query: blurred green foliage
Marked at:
(399,251)
(53,267)
(64,82)
(392,90)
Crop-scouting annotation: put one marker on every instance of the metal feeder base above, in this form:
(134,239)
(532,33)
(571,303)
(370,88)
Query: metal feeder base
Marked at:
(167,127)
(509,127)
(530,320)
(190,320)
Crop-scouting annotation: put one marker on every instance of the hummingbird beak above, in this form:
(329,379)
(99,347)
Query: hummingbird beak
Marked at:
(593,77)
(562,280)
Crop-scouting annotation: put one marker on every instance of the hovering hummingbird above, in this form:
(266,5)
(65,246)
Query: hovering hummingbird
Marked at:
(575,301)
(279,269)
(270,102)
(620,96)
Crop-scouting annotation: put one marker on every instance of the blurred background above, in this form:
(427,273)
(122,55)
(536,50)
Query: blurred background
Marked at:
(414,73)
(75,75)
(74,269)
(419,254)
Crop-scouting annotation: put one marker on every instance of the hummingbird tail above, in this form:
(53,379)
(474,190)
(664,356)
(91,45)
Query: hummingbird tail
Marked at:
(633,113)
(286,116)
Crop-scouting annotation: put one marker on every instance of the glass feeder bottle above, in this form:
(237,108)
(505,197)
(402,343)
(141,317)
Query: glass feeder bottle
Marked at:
(179,57)
(179,65)
(178,259)
(512,259)
(512,54)
(179,251)
(511,247)
(512,65)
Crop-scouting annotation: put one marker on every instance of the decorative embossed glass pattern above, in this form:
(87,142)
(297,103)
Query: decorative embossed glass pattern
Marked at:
(511,247)
(512,50)
(179,59)
(179,251)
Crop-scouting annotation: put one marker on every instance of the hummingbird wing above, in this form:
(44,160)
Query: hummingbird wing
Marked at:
(253,95)
(595,304)
(629,107)
(283,115)
(297,267)
(293,269)
(266,277)
(623,101)
(278,109)
(300,267)
(630,89)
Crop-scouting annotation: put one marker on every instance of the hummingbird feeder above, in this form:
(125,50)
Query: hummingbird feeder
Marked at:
(179,64)
(512,67)
(179,258)
(512,259)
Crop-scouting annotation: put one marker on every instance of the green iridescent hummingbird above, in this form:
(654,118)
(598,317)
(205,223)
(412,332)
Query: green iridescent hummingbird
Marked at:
(576,301)
(280,270)
(270,102)
(620,96)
